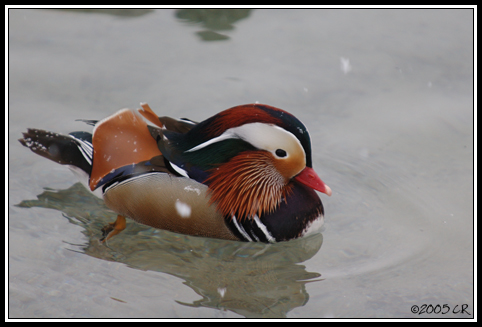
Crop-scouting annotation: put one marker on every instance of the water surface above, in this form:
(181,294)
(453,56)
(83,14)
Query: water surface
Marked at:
(387,96)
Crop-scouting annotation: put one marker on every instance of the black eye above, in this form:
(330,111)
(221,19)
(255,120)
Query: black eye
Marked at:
(280,153)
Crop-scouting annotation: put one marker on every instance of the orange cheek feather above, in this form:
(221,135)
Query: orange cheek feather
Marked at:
(288,167)
(247,185)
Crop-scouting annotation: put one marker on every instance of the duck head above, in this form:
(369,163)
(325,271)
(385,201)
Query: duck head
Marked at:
(250,156)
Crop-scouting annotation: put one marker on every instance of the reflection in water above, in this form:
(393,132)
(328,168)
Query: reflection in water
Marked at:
(213,20)
(115,12)
(251,279)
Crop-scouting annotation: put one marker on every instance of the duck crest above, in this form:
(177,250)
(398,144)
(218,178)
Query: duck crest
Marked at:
(254,187)
(235,117)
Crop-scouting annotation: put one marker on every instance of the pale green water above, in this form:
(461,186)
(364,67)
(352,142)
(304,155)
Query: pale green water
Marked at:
(386,94)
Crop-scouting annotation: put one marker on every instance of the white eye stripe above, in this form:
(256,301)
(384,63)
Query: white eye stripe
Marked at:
(262,136)
(226,135)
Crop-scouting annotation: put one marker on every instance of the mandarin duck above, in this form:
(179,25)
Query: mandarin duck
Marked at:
(243,174)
